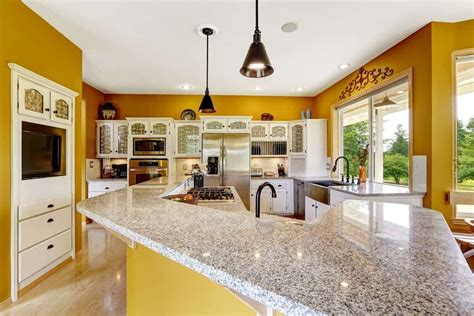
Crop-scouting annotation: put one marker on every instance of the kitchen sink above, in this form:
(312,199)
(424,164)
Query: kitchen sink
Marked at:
(319,190)
(328,183)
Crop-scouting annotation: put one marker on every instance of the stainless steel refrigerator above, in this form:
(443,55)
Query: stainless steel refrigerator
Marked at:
(228,160)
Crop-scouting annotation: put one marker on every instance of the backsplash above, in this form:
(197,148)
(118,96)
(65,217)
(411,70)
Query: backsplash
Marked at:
(269,164)
(184,165)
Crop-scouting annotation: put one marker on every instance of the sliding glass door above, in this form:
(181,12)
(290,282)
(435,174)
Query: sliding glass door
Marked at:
(380,120)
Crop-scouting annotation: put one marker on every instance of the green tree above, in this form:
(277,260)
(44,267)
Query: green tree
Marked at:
(466,152)
(395,166)
(356,137)
(400,144)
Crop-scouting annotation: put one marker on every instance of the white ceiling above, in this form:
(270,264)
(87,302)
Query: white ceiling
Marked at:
(136,46)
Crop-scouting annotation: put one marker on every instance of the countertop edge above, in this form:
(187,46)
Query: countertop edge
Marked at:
(268,298)
(411,193)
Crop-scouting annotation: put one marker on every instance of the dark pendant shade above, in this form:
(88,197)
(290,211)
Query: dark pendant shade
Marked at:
(256,63)
(206,104)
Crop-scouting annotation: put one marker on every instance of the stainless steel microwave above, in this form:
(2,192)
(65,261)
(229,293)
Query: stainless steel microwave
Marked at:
(149,146)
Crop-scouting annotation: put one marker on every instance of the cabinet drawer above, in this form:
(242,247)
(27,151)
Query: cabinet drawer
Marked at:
(37,257)
(106,186)
(278,184)
(37,229)
(41,207)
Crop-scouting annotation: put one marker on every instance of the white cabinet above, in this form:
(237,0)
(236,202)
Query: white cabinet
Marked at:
(282,204)
(41,102)
(308,157)
(99,187)
(261,130)
(314,209)
(187,139)
(112,139)
(149,127)
(226,124)
(61,108)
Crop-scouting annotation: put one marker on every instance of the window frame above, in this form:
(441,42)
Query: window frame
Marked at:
(457,196)
(336,129)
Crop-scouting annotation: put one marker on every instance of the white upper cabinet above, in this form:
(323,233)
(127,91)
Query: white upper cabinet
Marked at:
(297,138)
(226,124)
(139,128)
(144,127)
(61,108)
(112,139)
(259,131)
(159,128)
(33,99)
(277,131)
(188,139)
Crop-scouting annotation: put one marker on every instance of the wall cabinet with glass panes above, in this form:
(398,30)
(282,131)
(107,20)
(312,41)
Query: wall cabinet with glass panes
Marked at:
(187,139)
(261,130)
(222,124)
(112,139)
(144,127)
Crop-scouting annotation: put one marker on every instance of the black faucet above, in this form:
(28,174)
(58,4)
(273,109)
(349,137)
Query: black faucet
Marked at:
(347,169)
(257,197)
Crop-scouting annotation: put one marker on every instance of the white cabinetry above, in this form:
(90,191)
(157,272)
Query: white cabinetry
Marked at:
(282,204)
(261,130)
(314,209)
(61,107)
(149,127)
(226,124)
(337,197)
(99,187)
(112,139)
(307,156)
(187,139)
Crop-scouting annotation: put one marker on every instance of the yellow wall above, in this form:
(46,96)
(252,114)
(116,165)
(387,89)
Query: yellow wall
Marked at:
(29,41)
(446,38)
(159,286)
(415,52)
(91,98)
(428,52)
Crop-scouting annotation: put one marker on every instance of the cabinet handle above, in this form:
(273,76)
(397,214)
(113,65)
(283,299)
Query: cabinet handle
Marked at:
(55,112)
(107,188)
(50,220)
(312,205)
(50,247)
(47,110)
(279,185)
(50,205)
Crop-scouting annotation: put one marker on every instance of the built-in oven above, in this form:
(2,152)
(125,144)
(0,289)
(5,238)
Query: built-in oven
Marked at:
(155,146)
(141,170)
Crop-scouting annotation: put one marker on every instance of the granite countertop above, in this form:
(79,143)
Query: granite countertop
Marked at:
(360,257)
(375,189)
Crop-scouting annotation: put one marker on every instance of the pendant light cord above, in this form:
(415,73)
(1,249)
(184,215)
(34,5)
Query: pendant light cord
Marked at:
(207,62)
(256,17)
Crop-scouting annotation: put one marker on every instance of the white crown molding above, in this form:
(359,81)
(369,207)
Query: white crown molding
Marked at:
(41,80)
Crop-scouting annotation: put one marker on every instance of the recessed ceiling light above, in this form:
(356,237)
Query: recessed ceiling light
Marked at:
(344,66)
(400,92)
(289,27)
(299,89)
(186,86)
(258,88)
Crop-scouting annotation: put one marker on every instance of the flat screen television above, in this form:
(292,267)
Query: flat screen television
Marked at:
(43,151)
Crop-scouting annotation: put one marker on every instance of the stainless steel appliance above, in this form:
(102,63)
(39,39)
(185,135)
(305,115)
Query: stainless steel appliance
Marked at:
(43,151)
(119,170)
(142,170)
(228,159)
(154,146)
(212,194)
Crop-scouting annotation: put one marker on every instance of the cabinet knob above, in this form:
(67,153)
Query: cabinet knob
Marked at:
(107,188)
(50,246)
(50,205)
(47,110)
(50,220)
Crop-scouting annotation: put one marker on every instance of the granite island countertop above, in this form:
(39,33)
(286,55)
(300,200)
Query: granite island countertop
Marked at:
(376,189)
(360,257)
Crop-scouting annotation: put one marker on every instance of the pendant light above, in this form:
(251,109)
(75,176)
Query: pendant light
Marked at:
(256,63)
(206,104)
(385,102)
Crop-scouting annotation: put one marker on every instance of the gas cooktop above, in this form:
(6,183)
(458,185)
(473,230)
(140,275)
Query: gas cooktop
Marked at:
(213,194)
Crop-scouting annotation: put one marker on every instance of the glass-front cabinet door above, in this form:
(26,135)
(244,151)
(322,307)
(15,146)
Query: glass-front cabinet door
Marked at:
(33,99)
(238,125)
(297,138)
(259,131)
(61,108)
(216,125)
(138,128)
(105,144)
(158,128)
(121,139)
(188,139)
(278,131)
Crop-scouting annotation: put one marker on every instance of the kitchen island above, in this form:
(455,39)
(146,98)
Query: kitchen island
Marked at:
(360,257)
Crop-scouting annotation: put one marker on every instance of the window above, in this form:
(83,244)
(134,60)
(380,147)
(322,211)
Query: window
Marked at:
(464,109)
(382,120)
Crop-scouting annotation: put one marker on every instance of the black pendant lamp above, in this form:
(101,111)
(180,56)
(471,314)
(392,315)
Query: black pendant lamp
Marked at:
(256,63)
(206,104)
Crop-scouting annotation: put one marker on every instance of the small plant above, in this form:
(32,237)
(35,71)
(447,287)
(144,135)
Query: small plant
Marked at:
(363,155)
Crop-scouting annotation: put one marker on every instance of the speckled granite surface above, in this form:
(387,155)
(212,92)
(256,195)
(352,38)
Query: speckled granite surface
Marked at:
(361,257)
(375,189)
